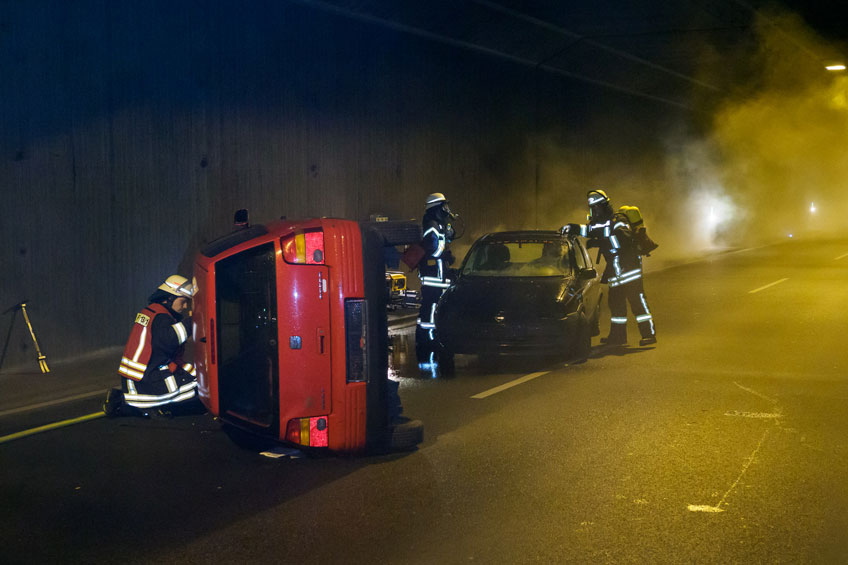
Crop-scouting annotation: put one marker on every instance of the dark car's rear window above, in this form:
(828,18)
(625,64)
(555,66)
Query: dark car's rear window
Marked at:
(519,258)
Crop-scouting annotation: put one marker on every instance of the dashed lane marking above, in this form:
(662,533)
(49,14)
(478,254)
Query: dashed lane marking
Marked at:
(769,285)
(510,384)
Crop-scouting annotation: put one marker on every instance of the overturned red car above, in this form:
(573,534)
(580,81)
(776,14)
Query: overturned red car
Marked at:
(290,333)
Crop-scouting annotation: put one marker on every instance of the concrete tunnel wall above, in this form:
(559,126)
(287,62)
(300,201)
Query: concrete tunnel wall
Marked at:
(131,131)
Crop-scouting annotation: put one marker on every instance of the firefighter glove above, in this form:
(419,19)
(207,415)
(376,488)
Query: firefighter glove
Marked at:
(570,229)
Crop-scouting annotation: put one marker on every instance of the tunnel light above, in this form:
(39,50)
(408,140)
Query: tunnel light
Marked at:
(835,68)
(812,207)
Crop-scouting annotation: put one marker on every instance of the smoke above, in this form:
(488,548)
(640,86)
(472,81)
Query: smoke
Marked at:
(768,162)
(780,143)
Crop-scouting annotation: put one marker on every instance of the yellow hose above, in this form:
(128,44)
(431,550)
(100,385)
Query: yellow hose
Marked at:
(53,426)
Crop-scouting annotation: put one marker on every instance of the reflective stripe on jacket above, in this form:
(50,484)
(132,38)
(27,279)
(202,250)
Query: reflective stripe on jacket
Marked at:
(139,349)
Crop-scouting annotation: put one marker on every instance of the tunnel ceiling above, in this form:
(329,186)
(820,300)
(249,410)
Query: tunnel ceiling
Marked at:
(646,48)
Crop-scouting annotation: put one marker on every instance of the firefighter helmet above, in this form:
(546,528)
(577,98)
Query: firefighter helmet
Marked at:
(600,207)
(434,199)
(179,286)
(597,197)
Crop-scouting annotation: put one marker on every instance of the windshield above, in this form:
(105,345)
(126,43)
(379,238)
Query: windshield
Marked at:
(520,258)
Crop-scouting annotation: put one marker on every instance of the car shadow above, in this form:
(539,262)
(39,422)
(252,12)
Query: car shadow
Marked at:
(604,350)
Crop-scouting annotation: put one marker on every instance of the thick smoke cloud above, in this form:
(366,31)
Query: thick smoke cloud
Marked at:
(781,142)
(768,163)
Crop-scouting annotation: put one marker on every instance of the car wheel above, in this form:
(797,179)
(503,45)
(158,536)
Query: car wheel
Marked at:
(447,368)
(596,320)
(582,344)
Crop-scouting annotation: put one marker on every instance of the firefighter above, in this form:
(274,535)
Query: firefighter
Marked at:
(611,233)
(433,272)
(153,374)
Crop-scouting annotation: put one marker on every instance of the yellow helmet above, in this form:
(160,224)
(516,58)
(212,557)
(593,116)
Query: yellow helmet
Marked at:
(179,286)
(434,199)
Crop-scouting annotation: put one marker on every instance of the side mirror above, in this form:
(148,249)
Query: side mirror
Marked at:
(588,273)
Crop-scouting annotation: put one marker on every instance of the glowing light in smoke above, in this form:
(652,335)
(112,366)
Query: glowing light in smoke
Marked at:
(713,211)
(812,207)
(835,67)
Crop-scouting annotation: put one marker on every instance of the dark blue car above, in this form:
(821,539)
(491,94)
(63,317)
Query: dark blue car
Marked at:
(521,292)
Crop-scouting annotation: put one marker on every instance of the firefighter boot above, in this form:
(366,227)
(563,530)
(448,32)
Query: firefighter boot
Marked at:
(114,403)
(617,335)
(650,340)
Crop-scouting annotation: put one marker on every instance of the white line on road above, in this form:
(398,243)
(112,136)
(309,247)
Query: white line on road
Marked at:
(510,384)
(717,507)
(753,414)
(754,392)
(766,286)
(841,257)
(32,407)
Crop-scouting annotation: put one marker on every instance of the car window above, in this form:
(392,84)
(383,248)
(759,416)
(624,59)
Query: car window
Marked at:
(580,258)
(519,258)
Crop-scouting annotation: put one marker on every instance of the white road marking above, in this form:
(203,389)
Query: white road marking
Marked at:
(510,384)
(841,257)
(769,285)
(32,407)
(717,507)
(755,393)
(764,415)
(704,508)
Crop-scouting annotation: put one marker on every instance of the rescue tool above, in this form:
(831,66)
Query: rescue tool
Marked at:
(42,359)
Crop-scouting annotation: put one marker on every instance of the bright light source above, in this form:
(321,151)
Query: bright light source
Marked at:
(790,235)
(713,212)
(812,207)
(835,67)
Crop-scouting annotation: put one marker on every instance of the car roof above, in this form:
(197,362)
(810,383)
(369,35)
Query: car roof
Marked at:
(540,235)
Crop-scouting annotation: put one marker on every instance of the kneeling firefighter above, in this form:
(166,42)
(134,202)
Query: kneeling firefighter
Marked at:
(433,272)
(612,234)
(153,373)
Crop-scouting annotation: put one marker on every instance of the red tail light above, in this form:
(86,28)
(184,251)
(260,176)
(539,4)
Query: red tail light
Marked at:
(308,431)
(306,248)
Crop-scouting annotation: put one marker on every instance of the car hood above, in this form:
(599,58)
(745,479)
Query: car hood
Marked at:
(510,297)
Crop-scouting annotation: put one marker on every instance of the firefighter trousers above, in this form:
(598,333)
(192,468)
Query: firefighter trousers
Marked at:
(634,293)
(425,339)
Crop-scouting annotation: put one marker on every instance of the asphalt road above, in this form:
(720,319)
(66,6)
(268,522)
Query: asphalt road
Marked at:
(725,442)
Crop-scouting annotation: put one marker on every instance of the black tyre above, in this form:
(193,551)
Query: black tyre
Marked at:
(447,367)
(596,319)
(582,344)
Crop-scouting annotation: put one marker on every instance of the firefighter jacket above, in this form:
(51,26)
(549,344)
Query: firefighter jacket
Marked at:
(616,243)
(433,266)
(156,342)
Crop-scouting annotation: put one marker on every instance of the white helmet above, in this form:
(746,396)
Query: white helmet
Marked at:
(179,286)
(434,200)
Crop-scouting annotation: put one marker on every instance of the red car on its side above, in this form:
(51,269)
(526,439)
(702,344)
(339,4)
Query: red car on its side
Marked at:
(290,332)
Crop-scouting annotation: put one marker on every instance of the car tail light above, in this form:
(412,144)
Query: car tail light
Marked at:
(355,339)
(305,248)
(308,431)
